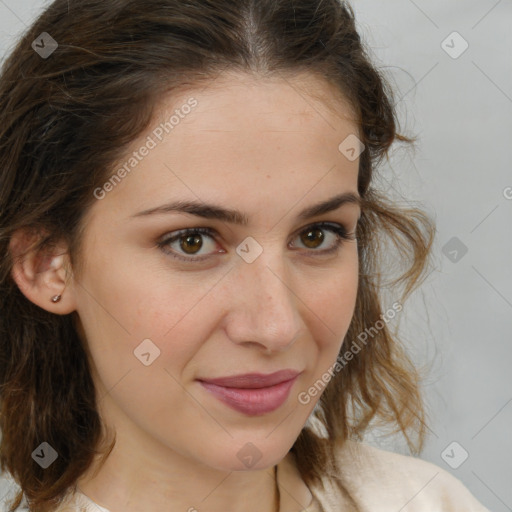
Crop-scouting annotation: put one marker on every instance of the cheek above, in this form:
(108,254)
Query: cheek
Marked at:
(332,308)
(122,303)
(127,302)
(333,303)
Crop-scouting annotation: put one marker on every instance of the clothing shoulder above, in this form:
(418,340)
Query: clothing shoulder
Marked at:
(385,481)
(75,501)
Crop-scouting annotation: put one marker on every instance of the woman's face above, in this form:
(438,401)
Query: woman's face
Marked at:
(236,298)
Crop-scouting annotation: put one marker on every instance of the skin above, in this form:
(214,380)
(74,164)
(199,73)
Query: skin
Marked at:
(269,148)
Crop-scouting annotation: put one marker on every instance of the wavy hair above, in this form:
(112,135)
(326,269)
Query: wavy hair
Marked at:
(66,119)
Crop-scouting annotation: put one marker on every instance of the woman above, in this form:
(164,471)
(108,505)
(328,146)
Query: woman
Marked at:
(191,313)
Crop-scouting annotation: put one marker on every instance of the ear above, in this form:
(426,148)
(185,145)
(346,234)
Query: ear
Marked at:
(42,275)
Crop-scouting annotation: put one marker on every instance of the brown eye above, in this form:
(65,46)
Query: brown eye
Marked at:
(190,244)
(313,238)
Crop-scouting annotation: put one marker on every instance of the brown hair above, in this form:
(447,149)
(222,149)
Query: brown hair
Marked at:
(64,121)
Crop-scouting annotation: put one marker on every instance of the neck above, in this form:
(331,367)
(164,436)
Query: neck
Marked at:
(130,482)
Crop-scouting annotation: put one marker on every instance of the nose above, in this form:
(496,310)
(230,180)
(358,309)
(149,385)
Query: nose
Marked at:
(263,305)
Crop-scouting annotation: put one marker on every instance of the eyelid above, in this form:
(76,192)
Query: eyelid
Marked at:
(339,229)
(177,234)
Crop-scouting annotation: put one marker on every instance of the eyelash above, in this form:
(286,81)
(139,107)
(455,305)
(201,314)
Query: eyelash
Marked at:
(337,229)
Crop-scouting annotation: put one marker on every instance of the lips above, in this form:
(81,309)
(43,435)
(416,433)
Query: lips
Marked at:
(253,380)
(254,393)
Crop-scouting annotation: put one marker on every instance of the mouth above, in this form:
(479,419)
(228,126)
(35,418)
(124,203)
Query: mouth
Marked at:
(253,394)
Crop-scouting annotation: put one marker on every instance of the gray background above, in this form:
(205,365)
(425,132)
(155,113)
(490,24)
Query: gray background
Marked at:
(458,324)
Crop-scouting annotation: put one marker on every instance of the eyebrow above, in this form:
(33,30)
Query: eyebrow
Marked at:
(212,211)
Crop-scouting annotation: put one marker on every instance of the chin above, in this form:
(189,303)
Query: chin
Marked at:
(247,455)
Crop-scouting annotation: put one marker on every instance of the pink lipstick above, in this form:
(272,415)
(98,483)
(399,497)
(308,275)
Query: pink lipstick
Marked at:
(253,394)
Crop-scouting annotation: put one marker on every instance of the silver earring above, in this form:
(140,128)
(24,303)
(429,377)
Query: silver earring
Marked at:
(56,298)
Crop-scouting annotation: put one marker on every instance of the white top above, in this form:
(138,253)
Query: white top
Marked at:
(379,480)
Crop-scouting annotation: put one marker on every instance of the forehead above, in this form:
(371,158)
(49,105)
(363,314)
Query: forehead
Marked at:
(247,134)
(301,94)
